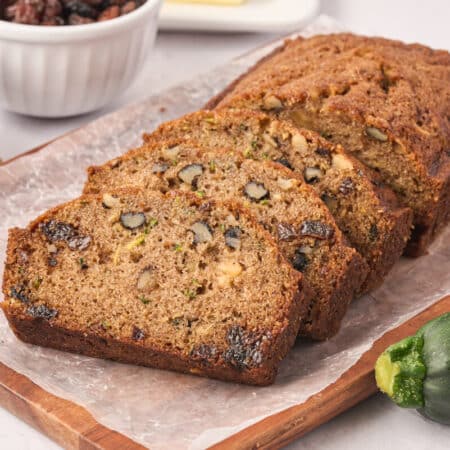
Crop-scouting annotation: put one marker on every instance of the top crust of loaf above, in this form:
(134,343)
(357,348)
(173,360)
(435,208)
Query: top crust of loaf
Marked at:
(360,91)
(412,79)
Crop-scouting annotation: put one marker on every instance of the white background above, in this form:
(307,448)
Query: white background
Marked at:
(376,423)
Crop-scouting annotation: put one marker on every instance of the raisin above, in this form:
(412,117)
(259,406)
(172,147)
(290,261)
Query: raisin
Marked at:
(42,311)
(323,152)
(19,293)
(57,231)
(204,353)
(8,13)
(81,9)
(244,349)
(128,7)
(316,229)
(52,21)
(109,13)
(299,261)
(64,12)
(26,11)
(346,186)
(373,232)
(75,19)
(284,162)
(137,334)
(61,231)
(53,9)
(286,232)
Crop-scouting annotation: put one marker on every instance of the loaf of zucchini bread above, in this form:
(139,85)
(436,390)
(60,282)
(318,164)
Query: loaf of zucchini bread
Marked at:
(155,280)
(386,102)
(364,209)
(279,200)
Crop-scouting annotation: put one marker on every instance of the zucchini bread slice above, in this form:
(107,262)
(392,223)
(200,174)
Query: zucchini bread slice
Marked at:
(286,206)
(386,102)
(364,209)
(149,279)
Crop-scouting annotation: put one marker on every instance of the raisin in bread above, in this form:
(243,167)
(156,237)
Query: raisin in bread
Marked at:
(286,206)
(364,209)
(387,102)
(151,279)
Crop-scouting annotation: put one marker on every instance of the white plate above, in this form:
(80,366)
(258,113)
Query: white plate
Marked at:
(253,16)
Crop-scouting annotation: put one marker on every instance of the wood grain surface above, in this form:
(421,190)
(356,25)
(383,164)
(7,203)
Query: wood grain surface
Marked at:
(73,427)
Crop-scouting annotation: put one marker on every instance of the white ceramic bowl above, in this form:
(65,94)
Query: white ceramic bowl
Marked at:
(68,70)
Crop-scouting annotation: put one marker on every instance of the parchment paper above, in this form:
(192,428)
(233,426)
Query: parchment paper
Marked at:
(168,410)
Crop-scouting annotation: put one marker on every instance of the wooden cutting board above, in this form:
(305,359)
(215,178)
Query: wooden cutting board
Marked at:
(73,427)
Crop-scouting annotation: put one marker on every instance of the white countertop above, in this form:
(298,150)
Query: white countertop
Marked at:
(376,423)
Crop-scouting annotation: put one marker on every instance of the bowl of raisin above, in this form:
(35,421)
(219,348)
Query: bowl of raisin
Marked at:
(61,58)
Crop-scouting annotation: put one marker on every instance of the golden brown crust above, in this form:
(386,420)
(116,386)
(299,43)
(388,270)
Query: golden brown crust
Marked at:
(347,84)
(50,331)
(328,321)
(41,332)
(426,229)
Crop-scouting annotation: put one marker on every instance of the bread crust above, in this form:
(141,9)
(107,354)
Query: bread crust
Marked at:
(415,119)
(42,333)
(326,326)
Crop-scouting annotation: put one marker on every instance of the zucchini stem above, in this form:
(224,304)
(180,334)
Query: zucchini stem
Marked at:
(400,372)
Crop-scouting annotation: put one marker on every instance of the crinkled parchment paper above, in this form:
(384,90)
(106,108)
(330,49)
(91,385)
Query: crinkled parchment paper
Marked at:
(164,409)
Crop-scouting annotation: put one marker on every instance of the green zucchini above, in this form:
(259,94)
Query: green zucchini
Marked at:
(415,372)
